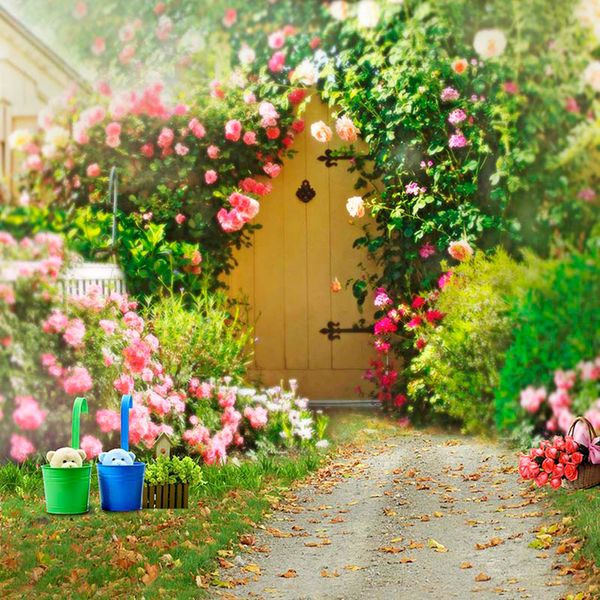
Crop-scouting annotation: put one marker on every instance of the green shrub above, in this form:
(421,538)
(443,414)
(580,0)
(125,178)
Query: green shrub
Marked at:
(208,332)
(458,369)
(556,326)
(173,470)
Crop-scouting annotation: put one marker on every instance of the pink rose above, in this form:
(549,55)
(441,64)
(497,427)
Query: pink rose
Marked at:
(249,138)
(246,206)
(180,219)
(74,333)
(98,46)
(210,177)
(20,448)
(181,149)
(147,150)
(276,40)
(93,170)
(124,384)
(28,414)
(272,169)
(277,62)
(113,128)
(108,420)
(212,151)
(230,17)
(233,130)
(78,381)
(197,128)
(165,138)
(91,446)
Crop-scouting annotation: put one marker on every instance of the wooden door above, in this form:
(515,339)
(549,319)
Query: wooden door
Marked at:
(286,276)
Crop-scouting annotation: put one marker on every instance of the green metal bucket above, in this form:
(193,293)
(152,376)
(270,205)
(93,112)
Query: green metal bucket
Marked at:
(67,491)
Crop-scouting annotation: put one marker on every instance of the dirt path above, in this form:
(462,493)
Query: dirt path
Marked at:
(402,520)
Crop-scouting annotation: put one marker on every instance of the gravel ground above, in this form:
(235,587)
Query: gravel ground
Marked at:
(402,519)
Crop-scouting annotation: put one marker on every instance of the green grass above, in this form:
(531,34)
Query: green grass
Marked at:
(584,507)
(108,555)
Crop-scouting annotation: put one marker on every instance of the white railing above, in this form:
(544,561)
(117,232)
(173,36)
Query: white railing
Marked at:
(76,280)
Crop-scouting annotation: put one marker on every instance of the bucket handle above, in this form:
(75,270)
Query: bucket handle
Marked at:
(126,405)
(79,406)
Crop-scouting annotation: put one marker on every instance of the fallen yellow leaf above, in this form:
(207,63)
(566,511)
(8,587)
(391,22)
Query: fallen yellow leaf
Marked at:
(436,546)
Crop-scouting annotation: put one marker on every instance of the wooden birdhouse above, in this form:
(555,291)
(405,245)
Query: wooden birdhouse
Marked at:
(162,446)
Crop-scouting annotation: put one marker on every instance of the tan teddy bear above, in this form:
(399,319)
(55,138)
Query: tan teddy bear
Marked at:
(66,458)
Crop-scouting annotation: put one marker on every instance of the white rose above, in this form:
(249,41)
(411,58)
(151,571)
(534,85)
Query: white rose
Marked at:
(338,10)
(356,207)
(368,13)
(19,138)
(57,136)
(321,132)
(591,75)
(305,73)
(489,43)
(246,55)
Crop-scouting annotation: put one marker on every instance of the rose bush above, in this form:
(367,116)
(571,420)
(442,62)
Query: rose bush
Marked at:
(102,347)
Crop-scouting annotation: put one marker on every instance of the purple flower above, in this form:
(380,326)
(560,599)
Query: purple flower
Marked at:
(414,189)
(457,116)
(457,140)
(449,94)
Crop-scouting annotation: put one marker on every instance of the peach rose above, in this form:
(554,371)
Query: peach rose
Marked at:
(346,129)
(460,250)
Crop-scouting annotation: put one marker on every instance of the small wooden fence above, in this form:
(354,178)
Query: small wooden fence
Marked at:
(170,495)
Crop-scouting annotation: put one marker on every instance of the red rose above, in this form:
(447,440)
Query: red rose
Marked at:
(571,472)
(298,125)
(296,96)
(577,458)
(564,458)
(551,453)
(541,479)
(273,132)
(555,482)
(558,471)
(571,445)
(548,465)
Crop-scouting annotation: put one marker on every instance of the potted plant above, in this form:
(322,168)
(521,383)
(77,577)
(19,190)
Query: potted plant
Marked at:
(120,477)
(168,480)
(66,478)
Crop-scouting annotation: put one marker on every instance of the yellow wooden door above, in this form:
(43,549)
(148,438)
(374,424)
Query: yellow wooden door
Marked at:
(286,276)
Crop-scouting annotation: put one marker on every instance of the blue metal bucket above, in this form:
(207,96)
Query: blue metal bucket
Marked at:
(121,486)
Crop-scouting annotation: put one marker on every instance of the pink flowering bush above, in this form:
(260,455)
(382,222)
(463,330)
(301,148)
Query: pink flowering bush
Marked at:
(101,347)
(191,176)
(576,393)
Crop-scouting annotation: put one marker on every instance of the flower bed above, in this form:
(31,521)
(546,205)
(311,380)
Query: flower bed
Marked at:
(97,345)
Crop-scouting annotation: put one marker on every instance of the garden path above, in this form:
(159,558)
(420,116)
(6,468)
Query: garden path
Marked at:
(425,516)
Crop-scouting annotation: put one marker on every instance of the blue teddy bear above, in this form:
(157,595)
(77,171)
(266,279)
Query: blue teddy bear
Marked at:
(116,457)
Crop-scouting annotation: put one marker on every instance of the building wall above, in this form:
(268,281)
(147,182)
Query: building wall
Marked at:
(30,75)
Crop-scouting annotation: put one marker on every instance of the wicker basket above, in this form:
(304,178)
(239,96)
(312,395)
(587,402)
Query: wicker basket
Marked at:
(589,475)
